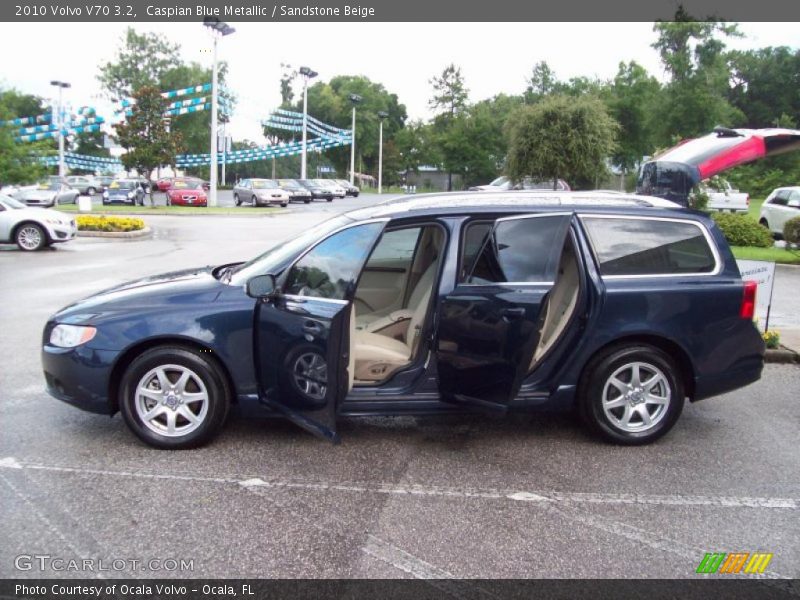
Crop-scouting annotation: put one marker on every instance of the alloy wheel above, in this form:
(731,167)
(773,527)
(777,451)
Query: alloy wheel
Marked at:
(310,373)
(171,400)
(636,397)
(30,237)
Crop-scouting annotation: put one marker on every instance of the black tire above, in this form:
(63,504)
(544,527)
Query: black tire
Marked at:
(355,195)
(30,237)
(330,199)
(307,201)
(106,203)
(90,191)
(253,201)
(205,368)
(284,204)
(236,200)
(596,385)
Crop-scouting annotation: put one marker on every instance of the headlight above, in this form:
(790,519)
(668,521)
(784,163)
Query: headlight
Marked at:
(53,221)
(69,336)
(131,195)
(105,194)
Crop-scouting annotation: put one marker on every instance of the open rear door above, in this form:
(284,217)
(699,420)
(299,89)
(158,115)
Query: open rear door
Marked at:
(490,324)
(302,333)
(673,173)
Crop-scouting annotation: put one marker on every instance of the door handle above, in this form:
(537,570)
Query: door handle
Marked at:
(312,327)
(513,313)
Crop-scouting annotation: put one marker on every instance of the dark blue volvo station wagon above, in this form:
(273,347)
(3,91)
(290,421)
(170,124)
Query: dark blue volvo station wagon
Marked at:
(618,306)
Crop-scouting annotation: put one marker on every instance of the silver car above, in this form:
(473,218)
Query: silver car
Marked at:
(50,192)
(260,192)
(33,228)
(87,186)
(338,190)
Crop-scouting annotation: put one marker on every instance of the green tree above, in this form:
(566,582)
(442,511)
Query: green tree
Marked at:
(631,100)
(144,134)
(449,100)
(19,160)
(695,100)
(561,137)
(542,82)
(765,84)
(142,60)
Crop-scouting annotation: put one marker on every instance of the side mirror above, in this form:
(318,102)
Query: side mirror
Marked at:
(261,286)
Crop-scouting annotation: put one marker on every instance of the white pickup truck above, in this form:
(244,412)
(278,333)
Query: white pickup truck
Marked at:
(723,197)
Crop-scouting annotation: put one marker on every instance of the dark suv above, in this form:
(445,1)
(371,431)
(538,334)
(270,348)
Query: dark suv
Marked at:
(618,306)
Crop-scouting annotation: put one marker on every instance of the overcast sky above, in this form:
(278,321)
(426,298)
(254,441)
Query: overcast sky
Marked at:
(494,57)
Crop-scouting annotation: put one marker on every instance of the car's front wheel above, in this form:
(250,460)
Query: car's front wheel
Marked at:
(174,398)
(631,394)
(30,237)
(236,200)
(90,191)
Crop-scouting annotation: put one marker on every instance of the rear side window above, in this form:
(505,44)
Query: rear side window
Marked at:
(632,246)
(520,250)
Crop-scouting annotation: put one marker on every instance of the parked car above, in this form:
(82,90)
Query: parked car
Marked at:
(349,188)
(50,192)
(163,184)
(260,192)
(33,228)
(780,206)
(433,304)
(86,185)
(143,182)
(318,192)
(297,193)
(127,191)
(724,198)
(337,190)
(529,183)
(187,191)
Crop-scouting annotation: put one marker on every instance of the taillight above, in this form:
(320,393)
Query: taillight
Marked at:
(748,308)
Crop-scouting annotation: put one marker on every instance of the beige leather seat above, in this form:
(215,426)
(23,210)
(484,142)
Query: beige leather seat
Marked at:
(378,356)
(374,322)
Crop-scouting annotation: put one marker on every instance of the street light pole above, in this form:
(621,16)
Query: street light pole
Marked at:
(307,74)
(218,29)
(62,169)
(355,99)
(381,115)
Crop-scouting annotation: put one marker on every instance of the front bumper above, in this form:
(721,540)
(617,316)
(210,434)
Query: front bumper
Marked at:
(79,376)
(62,233)
(267,200)
(39,202)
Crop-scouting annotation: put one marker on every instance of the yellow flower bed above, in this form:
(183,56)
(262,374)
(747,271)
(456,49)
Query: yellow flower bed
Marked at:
(104,223)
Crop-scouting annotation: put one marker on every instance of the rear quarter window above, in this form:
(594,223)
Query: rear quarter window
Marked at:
(633,246)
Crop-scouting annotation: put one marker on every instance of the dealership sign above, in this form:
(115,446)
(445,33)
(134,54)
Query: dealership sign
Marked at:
(763,273)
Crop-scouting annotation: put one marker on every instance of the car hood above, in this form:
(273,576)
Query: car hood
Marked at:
(167,291)
(36,194)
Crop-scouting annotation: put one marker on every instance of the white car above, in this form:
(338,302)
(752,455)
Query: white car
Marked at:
(780,206)
(722,196)
(33,228)
(338,190)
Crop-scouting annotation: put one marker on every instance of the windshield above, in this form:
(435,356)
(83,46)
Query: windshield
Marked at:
(273,259)
(324,182)
(122,185)
(263,184)
(11,203)
(289,183)
(49,185)
(500,181)
(186,184)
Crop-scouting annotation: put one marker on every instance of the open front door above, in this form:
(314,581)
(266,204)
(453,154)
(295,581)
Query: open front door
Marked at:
(490,324)
(302,334)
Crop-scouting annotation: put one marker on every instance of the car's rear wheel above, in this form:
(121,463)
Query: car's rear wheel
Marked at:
(307,201)
(631,394)
(174,398)
(90,191)
(30,237)
(284,204)
(254,201)
(330,199)
(236,200)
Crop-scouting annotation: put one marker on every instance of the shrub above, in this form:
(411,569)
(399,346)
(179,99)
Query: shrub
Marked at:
(772,339)
(791,231)
(741,230)
(104,223)
(698,199)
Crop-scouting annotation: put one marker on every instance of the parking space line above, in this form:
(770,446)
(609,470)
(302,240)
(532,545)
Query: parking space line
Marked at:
(537,496)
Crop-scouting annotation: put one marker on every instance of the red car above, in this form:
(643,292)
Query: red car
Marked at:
(164,184)
(185,191)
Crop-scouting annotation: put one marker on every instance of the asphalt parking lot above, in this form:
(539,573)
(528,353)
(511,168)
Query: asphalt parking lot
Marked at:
(463,497)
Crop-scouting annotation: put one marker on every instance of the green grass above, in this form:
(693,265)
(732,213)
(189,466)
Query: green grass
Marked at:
(248,211)
(778,255)
(755,207)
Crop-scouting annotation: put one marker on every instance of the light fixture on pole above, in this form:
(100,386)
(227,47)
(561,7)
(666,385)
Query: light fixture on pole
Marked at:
(218,29)
(59,122)
(307,74)
(381,115)
(355,99)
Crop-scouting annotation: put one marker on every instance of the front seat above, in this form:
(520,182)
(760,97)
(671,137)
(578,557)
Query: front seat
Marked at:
(372,322)
(378,356)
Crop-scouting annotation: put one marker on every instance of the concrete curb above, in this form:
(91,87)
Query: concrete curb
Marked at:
(781,355)
(141,233)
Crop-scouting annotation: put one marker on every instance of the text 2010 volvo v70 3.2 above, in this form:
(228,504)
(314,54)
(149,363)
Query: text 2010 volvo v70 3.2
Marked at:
(619,306)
